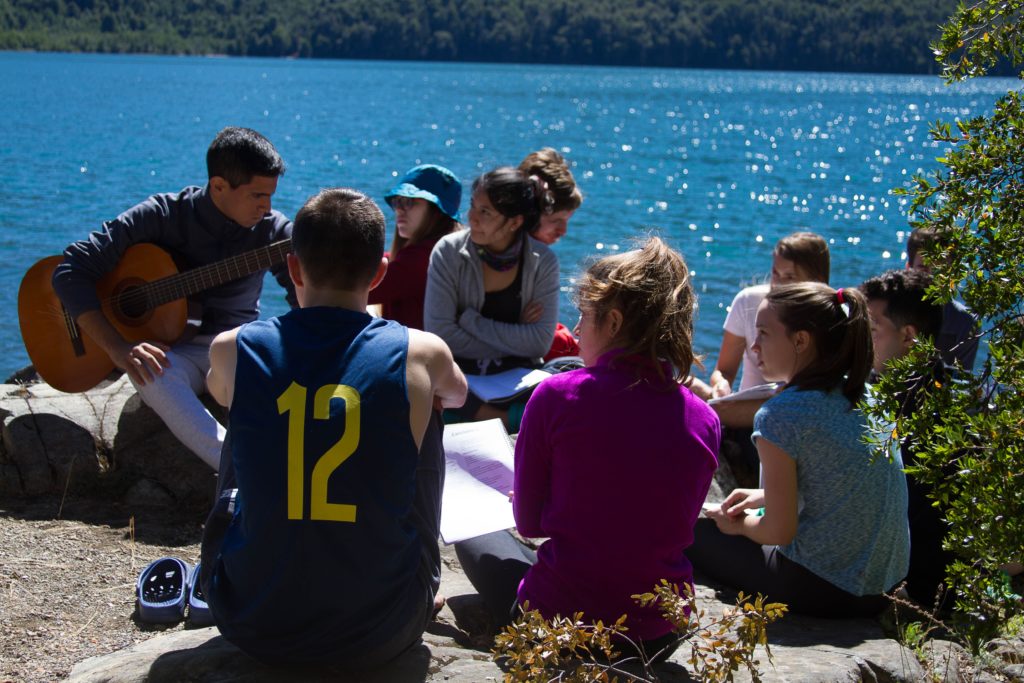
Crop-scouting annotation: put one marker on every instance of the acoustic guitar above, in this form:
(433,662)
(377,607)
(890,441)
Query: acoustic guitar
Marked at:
(143,298)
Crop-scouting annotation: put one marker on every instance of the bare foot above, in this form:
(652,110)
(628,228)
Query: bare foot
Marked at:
(438,605)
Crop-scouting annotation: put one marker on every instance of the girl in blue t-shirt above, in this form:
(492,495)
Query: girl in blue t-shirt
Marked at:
(828,532)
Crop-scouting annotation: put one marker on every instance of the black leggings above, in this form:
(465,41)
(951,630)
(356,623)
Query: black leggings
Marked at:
(745,565)
(496,563)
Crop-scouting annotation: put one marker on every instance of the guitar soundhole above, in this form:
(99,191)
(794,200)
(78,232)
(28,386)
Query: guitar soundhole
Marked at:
(132,303)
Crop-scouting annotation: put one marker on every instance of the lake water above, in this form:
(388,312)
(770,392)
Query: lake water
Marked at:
(722,163)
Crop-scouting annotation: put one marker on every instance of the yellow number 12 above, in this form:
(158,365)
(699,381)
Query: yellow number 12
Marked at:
(293,402)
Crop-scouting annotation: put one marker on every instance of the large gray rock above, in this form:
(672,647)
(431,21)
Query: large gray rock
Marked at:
(1010,650)
(945,660)
(103,442)
(204,656)
(456,650)
(826,651)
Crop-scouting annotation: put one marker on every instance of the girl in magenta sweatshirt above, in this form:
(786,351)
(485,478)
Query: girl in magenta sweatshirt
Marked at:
(612,462)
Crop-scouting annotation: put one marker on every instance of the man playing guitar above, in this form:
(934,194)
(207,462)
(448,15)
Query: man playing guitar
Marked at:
(230,215)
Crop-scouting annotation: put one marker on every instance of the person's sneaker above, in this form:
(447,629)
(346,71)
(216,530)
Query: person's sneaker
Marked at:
(161,591)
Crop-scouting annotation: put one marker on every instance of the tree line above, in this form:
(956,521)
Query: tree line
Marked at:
(820,35)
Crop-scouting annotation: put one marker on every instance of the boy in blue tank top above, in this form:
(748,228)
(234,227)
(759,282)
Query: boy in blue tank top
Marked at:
(329,555)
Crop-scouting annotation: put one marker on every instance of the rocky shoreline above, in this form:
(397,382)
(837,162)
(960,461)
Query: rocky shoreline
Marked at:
(92,487)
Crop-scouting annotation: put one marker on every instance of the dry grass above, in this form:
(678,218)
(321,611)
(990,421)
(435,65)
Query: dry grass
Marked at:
(67,584)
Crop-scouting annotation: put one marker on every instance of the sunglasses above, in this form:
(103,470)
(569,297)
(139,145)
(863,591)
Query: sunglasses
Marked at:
(403,203)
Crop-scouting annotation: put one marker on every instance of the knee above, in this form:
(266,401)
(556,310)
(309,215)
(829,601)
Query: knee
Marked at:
(170,380)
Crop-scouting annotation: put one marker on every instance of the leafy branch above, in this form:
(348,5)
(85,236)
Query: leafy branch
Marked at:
(978,36)
(573,650)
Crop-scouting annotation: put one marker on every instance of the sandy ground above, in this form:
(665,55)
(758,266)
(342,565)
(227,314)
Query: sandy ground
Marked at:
(67,580)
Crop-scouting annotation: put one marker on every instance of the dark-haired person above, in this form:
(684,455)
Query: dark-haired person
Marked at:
(553,170)
(957,340)
(901,315)
(492,290)
(229,215)
(832,537)
(331,554)
(426,205)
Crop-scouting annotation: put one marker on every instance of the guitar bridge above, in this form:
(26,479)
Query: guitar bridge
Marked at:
(74,334)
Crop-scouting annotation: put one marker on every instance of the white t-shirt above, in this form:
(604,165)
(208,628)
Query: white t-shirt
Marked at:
(740,322)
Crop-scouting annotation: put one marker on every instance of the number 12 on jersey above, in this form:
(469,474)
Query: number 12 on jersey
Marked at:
(293,402)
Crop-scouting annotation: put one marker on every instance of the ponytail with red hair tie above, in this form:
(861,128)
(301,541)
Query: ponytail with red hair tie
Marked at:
(842,304)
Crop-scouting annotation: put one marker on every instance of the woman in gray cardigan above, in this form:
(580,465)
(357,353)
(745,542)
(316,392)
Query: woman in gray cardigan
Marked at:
(492,290)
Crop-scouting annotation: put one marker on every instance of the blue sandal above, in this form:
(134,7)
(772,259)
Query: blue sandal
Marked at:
(162,590)
(198,610)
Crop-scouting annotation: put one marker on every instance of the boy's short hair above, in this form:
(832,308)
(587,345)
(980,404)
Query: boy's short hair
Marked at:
(919,240)
(238,154)
(904,294)
(338,237)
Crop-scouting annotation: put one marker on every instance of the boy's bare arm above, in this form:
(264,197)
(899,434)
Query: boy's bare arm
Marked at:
(220,381)
(433,379)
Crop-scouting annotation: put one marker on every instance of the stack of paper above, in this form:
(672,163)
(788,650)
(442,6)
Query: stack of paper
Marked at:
(478,478)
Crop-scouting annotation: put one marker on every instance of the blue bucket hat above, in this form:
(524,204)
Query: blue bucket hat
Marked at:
(436,184)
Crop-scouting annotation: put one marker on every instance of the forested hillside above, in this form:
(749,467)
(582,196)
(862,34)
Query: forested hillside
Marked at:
(831,35)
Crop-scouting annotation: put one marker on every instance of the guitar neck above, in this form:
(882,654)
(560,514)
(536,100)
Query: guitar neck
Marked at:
(191,282)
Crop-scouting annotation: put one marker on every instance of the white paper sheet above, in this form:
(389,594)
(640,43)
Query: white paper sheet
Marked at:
(755,392)
(478,477)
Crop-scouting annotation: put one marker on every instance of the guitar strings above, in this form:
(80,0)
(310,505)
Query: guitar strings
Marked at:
(158,292)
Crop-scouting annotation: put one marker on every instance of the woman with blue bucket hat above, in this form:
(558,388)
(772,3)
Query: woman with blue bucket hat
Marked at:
(426,205)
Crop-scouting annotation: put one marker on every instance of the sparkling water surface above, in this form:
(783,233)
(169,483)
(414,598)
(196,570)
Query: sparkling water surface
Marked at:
(721,163)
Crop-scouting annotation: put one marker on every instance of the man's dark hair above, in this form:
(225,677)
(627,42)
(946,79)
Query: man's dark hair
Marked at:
(903,292)
(238,154)
(338,237)
(920,239)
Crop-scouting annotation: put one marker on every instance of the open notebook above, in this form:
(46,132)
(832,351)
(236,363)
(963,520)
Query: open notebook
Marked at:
(505,385)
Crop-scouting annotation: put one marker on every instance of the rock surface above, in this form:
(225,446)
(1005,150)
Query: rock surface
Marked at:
(103,442)
(804,649)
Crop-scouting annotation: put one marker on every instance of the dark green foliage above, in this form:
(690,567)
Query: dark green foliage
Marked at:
(860,35)
(969,433)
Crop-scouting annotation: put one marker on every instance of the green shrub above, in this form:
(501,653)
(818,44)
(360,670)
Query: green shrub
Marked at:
(969,433)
